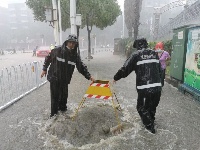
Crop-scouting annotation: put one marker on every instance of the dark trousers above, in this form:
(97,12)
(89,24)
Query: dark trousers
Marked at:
(163,77)
(146,106)
(59,95)
(34,53)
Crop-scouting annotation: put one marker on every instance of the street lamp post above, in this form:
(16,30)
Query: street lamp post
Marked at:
(73,16)
(42,37)
(95,41)
(60,21)
(51,16)
(82,42)
(123,25)
(27,42)
(55,22)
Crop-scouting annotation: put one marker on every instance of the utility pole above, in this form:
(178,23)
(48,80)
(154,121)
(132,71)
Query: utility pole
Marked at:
(60,21)
(73,16)
(95,42)
(151,27)
(123,25)
(156,24)
(55,22)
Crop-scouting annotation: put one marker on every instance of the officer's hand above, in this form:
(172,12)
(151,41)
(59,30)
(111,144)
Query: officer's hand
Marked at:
(92,79)
(43,73)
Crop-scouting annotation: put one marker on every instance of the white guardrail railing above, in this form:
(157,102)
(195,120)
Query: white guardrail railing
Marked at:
(18,81)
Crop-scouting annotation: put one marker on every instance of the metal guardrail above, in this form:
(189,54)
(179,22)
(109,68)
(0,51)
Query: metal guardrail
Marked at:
(18,81)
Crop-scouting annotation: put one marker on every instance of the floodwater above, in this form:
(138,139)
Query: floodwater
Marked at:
(29,127)
(177,119)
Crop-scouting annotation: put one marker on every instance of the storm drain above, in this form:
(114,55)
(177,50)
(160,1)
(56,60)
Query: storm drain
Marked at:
(90,126)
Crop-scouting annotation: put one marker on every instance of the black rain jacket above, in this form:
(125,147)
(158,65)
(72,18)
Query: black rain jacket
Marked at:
(62,63)
(147,67)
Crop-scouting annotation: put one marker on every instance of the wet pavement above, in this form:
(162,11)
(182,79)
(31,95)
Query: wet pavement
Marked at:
(19,58)
(26,124)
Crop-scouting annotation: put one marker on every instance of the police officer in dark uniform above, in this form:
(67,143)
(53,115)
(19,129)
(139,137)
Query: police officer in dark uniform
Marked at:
(145,63)
(62,61)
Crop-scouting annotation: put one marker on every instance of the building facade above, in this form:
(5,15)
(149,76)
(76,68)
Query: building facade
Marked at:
(4,27)
(24,31)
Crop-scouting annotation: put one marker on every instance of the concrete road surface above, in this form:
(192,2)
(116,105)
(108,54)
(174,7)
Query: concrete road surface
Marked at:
(26,124)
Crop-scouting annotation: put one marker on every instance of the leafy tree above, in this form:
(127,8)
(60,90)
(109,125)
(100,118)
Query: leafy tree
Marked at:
(38,7)
(99,13)
(132,9)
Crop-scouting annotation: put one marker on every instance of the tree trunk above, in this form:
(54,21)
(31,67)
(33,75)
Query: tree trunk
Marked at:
(89,41)
(78,40)
(136,32)
(130,33)
(137,19)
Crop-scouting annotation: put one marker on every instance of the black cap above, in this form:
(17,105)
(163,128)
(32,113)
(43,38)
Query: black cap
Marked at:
(72,38)
(140,43)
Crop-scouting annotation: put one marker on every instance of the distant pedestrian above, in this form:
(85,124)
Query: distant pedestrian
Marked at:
(34,50)
(62,61)
(14,51)
(145,63)
(163,57)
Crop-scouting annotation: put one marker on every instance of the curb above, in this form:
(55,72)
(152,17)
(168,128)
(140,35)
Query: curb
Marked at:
(172,81)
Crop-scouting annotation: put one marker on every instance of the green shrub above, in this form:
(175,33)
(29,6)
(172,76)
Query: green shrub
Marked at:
(126,46)
(152,45)
(168,46)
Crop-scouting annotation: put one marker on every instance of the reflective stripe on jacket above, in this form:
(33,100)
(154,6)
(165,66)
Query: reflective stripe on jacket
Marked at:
(146,65)
(61,63)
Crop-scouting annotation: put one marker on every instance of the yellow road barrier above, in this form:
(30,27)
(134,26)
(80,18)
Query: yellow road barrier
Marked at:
(100,90)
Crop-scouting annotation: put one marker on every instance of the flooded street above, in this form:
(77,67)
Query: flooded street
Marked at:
(26,124)
(160,37)
(20,58)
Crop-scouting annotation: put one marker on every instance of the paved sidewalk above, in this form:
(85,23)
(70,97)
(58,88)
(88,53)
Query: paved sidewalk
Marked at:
(178,116)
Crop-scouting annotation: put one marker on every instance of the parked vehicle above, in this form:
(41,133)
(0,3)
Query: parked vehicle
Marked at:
(43,51)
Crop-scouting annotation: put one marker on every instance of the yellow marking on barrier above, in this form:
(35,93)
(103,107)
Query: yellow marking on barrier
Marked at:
(33,68)
(102,91)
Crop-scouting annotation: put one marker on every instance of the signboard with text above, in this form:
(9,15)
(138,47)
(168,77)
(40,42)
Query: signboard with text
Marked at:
(192,64)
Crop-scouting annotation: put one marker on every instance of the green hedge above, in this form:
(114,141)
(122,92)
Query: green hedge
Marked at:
(126,45)
(152,44)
